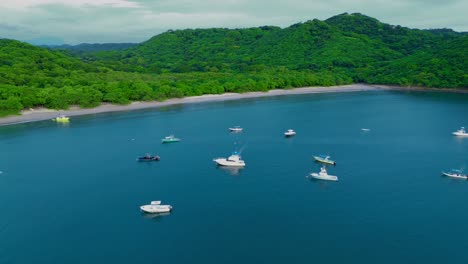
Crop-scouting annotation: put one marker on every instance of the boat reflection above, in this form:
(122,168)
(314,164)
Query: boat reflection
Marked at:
(234,171)
(155,216)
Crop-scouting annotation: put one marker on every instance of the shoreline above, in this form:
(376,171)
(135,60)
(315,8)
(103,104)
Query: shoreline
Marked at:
(41,114)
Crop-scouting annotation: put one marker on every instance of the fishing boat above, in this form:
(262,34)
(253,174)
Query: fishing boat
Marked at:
(290,133)
(155,207)
(323,175)
(170,139)
(234,160)
(324,159)
(236,129)
(455,174)
(61,119)
(148,157)
(460,132)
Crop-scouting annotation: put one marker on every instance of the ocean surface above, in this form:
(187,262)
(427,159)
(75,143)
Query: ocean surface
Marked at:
(71,193)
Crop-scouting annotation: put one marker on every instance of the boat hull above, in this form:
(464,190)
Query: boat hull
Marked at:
(452,175)
(324,177)
(154,209)
(460,134)
(170,141)
(148,159)
(331,162)
(227,163)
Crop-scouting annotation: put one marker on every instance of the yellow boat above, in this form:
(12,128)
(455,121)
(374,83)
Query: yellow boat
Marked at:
(62,119)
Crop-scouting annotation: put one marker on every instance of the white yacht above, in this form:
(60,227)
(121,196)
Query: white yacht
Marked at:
(455,174)
(461,132)
(323,175)
(156,207)
(289,133)
(233,161)
(236,129)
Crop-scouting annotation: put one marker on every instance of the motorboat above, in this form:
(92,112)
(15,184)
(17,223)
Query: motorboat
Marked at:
(460,132)
(455,174)
(236,129)
(155,207)
(61,119)
(170,139)
(289,133)
(234,160)
(148,157)
(323,175)
(365,129)
(324,159)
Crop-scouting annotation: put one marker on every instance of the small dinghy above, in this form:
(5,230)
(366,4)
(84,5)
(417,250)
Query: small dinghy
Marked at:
(155,207)
(323,175)
(148,157)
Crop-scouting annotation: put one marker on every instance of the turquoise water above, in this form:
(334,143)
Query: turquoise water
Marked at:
(71,193)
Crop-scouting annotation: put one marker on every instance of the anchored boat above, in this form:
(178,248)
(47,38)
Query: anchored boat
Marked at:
(234,160)
(460,132)
(324,159)
(170,139)
(323,175)
(455,174)
(148,157)
(290,133)
(236,129)
(61,119)
(155,207)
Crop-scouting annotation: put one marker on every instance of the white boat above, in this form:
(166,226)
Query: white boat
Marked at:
(460,132)
(455,174)
(323,175)
(289,133)
(170,139)
(365,129)
(155,207)
(324,159)
(233,161)
(236,129)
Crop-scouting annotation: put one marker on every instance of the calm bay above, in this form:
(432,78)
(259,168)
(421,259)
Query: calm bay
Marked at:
(71,193)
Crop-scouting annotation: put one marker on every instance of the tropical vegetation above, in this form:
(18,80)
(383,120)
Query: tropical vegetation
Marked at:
(344,49)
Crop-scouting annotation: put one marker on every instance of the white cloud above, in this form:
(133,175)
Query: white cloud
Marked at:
(21,4)
(78,21)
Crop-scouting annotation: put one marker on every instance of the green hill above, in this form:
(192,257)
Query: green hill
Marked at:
(343,49)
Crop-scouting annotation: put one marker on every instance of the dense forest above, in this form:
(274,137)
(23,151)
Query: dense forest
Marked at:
(343,49)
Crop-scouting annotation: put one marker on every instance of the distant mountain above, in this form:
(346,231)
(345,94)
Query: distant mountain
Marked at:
(87,47)
(45,41)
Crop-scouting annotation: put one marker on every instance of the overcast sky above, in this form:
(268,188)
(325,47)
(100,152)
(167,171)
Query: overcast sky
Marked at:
(100,21)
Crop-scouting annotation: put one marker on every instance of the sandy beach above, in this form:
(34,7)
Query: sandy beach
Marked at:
(39,114)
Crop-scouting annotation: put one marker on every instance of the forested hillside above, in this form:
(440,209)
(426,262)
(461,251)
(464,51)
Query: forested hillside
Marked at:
(340,50)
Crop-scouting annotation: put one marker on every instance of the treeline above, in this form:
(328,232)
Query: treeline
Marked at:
(132,87)
(344,49)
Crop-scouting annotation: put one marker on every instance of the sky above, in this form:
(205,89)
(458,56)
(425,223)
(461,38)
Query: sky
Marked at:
(117,21)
